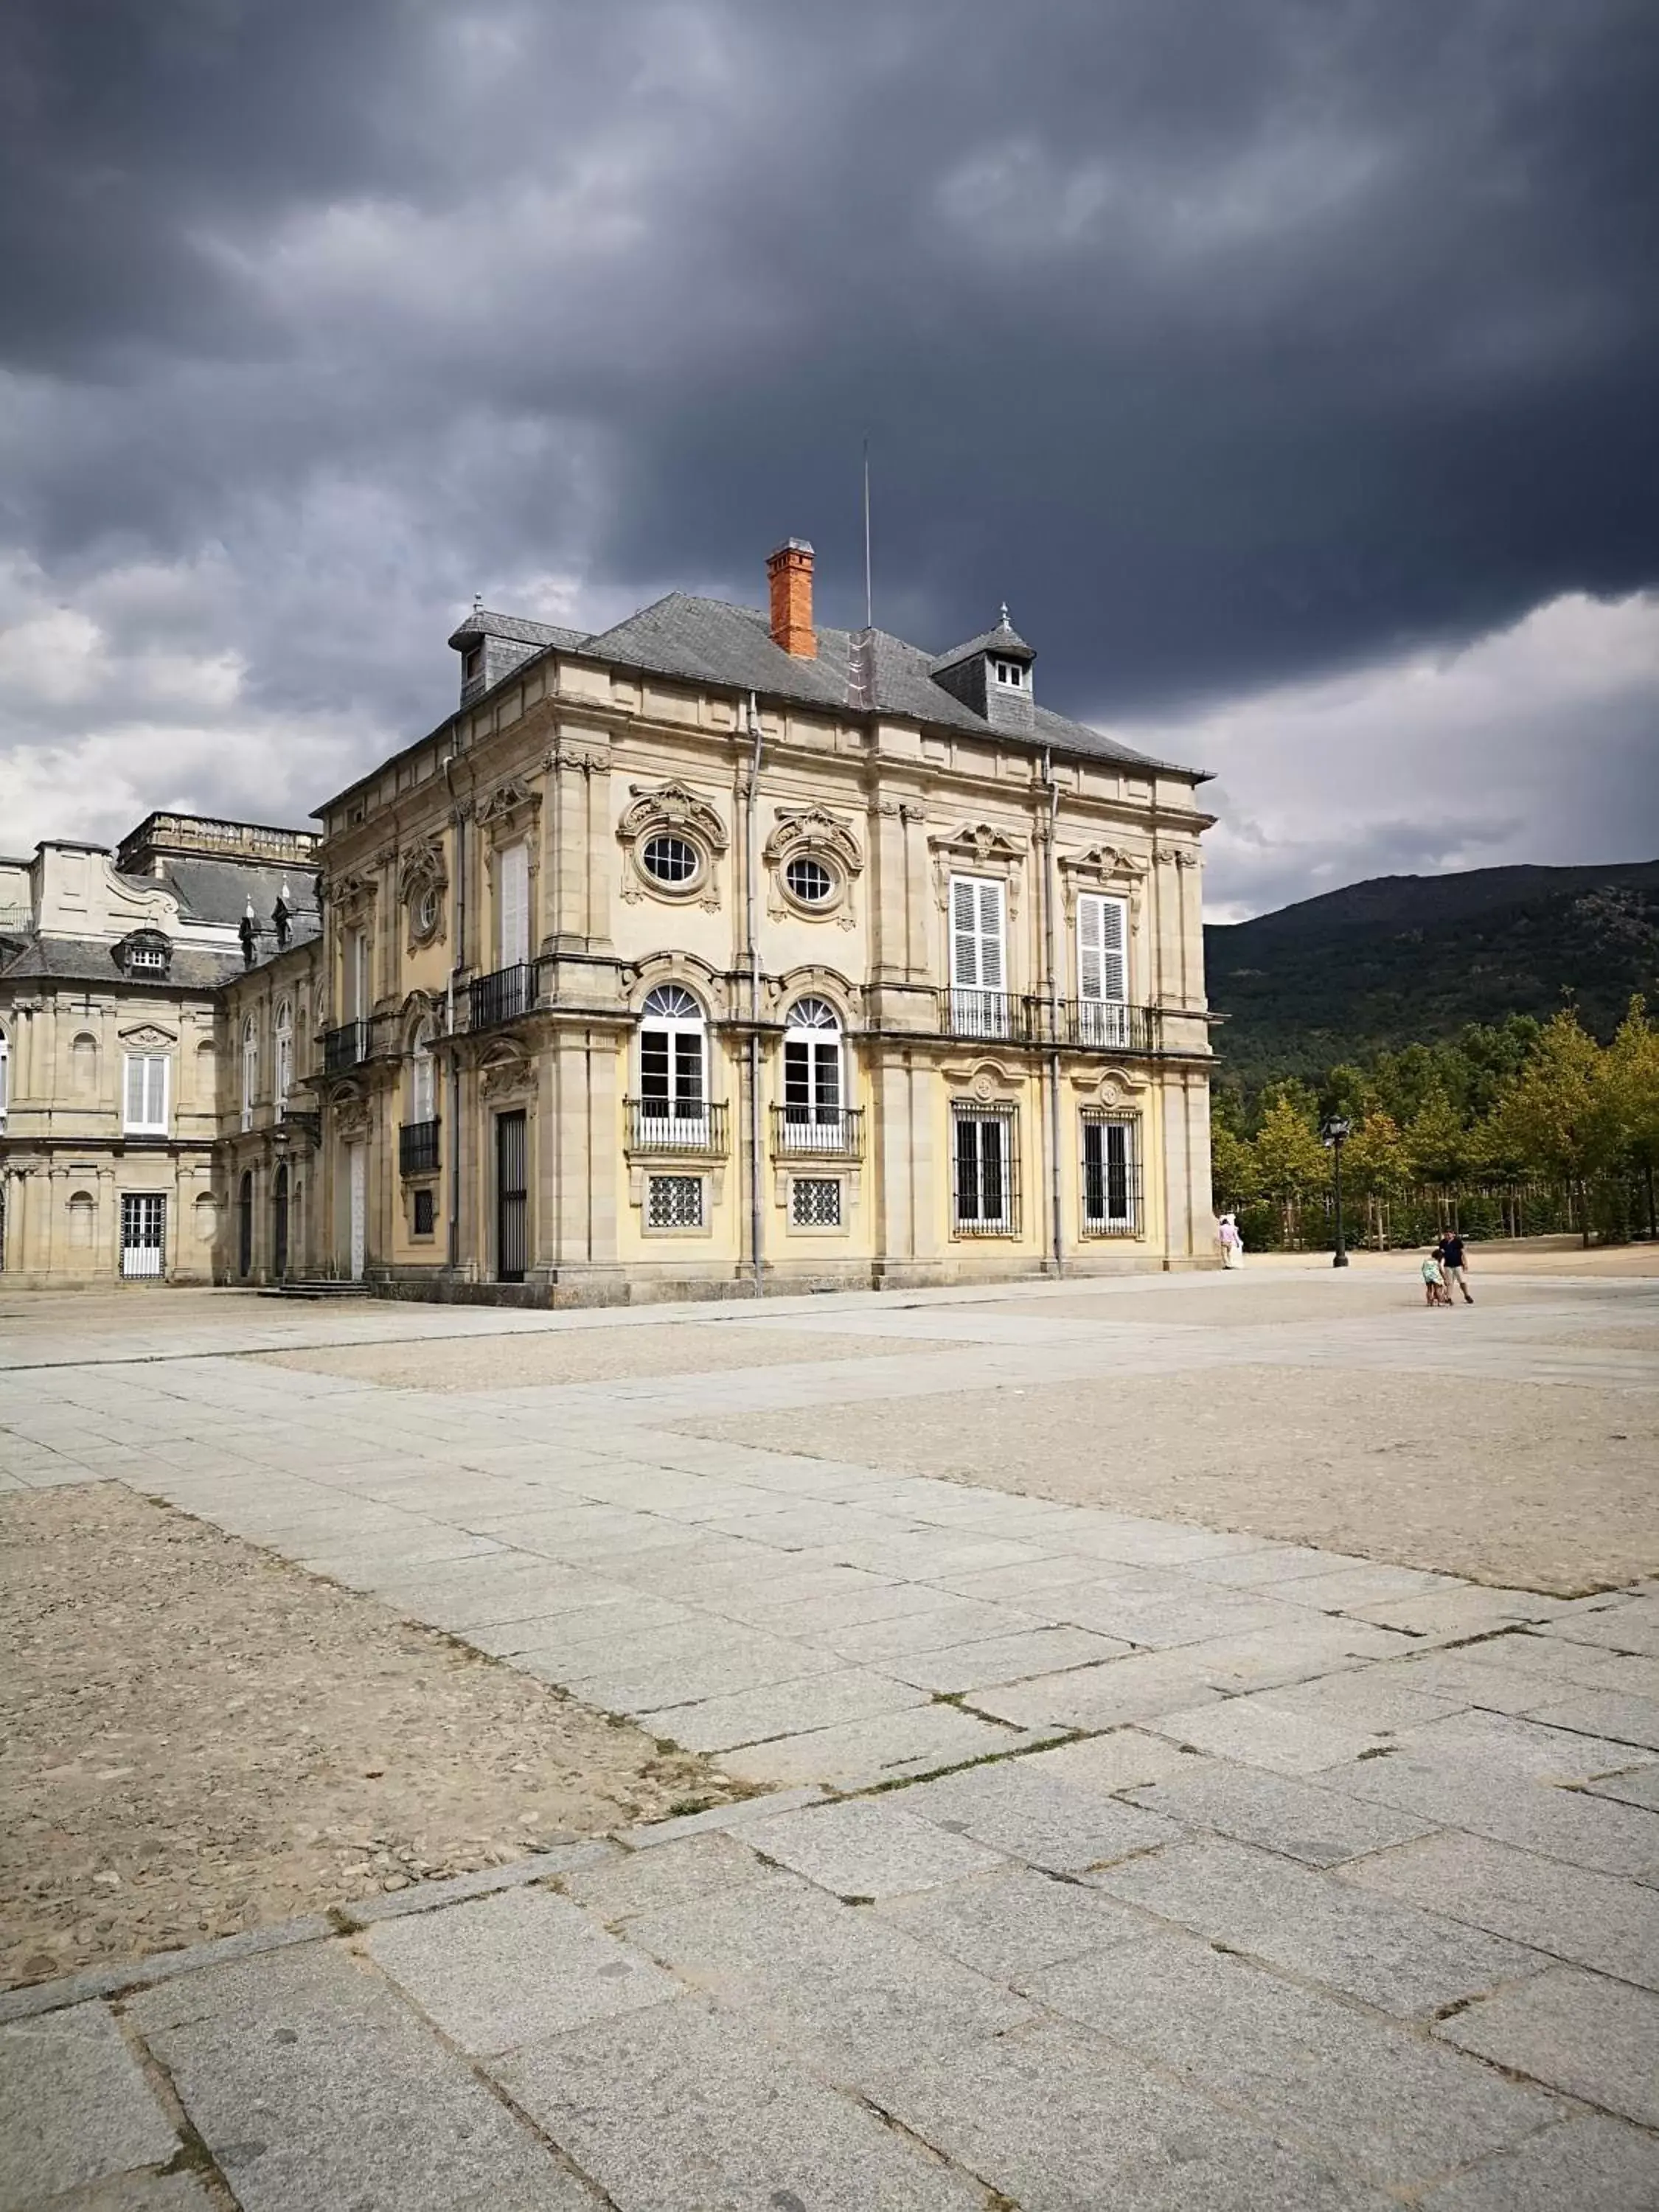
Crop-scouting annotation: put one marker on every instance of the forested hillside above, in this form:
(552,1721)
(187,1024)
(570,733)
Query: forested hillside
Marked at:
(1409,959)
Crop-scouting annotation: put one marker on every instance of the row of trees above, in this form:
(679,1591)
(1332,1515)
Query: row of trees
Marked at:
(1498,1111)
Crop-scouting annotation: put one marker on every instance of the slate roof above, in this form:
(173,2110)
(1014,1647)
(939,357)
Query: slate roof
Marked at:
(480,623)
(89,960)
(1003,639)
(219,890)
(712,642)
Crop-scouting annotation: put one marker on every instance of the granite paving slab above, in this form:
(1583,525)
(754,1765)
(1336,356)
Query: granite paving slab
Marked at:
(687,1663)
(1586,2166)
(932,1628)
(871,1847)
(686,2107)
(1629,1625)
(75,2107)
(1611,1714)
(1059,2121)
(812,1701)
(1319,1826)
(1259,1730)
(1594,1920)
(525,1963)
(670,1873)
(141,2193)
(1121,1760)
(1050,1821)
(1394,1955)
(1640,1786)
(1367,2092)
(1104,1697)
(1000,1659)
(1518,1747)
(1012,1924)
(891,1746)
(1597,2038)
(316,2087)
(1561,1823)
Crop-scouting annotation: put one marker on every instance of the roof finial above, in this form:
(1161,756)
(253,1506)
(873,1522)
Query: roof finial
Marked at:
(1005,614)
(477,603)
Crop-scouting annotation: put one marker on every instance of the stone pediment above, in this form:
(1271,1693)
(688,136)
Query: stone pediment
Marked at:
(671,806)
(147,1037)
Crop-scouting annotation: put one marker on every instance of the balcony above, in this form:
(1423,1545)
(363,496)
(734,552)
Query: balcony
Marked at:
(500,997)
(819,1132)
(418,1148)
(999,1015)
(658,1127)
(1099,1026)
(351,1044)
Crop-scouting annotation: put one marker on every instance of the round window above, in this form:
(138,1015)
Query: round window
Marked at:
(810,880)
(670,860)
(426,910)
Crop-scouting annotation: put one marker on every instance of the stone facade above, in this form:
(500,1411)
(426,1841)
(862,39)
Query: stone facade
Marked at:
(708,955)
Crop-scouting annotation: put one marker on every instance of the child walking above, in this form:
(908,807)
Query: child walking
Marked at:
(1435,1293)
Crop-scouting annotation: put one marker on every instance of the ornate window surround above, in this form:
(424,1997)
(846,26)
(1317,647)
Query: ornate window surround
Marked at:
(978,849)
(812,832)
(670,809)
(421,871)
(1103,868)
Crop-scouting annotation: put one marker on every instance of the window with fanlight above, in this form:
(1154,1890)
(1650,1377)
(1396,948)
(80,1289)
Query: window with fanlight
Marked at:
(674,1061)
(813,1091)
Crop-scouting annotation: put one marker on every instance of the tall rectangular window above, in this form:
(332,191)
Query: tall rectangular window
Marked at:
(1103,968)
(512,905)
(144,1095)
(979,963)
(983,1161)
(357,976)
(1111,1176)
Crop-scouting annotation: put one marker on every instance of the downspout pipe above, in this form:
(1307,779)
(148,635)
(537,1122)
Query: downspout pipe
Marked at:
(1056,1208)
(751,865)
(453,1244)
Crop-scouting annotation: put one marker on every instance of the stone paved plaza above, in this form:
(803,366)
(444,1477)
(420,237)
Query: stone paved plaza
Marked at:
(1105,1858)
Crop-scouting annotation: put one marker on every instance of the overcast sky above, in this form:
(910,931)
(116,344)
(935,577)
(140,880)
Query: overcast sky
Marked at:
(1289,366)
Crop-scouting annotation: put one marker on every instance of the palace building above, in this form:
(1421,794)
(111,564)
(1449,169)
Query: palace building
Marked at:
(716,953)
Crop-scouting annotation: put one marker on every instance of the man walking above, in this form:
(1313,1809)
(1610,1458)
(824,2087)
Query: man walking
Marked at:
(1455,1265)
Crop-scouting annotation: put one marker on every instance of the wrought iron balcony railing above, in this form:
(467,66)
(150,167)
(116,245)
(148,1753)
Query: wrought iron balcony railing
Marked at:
(500,997)
(823,1131)
(1102,1025)
(1002,1015)
(669,1126)
(418,1148)
(352,1043)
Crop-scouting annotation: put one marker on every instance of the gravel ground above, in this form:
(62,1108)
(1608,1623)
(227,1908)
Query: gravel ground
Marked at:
(196,1739)
(577,1355)
(1534,1485)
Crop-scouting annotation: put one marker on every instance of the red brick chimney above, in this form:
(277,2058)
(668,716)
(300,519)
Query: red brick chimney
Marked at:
(789,571)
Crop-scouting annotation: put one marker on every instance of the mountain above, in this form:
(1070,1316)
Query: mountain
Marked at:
(1408,958)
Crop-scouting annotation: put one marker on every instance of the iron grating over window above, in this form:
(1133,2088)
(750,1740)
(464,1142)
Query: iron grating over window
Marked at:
(1111,1175)
(674,1202)
(815,1201)
(984,1171)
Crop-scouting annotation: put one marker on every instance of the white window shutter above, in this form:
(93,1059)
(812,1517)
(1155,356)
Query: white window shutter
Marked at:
(993,967)
(138,1071)
(514,904)
(157,1116)
(1103,967)
(964,934)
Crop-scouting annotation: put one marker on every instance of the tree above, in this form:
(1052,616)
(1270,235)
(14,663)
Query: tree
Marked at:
(1631,1071)
(1291,1162)
(1233,1170)
(1560,1114)
(1437,1142)
(1377,1164)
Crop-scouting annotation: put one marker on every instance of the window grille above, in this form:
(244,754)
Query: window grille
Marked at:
(814,1202)
(985,1187)
(674,1202)
(1111,1175)
(426,1212)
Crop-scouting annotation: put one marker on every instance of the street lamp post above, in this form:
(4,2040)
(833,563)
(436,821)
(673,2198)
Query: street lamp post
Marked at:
(1334,1134)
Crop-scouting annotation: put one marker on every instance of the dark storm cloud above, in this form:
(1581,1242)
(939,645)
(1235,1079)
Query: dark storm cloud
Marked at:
(1230,345)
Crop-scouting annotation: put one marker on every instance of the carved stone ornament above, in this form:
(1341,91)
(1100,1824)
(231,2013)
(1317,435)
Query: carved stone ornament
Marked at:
(508,806)
(1114,1087)
(148,1038)
(1103,868)
(986,1082)
(671,808)
(350,1114)
(347,894)
(981,850)
(811,832)
(511,1076)
(421,867)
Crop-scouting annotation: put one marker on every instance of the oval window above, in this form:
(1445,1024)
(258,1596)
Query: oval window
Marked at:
(670,860)
(426,910)
(810,880)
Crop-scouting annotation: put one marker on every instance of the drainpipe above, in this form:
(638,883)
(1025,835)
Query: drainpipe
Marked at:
(453,1244)
(756,1218)
(1054,1201)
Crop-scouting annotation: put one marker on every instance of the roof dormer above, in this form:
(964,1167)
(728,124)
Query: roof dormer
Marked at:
(991,674)
(145,955)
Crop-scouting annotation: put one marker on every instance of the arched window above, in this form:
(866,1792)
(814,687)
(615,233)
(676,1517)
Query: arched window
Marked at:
(812,1088)
(673,1086)
(423,1087)
(250,1069)
(285,1057)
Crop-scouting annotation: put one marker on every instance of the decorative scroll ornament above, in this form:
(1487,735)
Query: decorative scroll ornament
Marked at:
(983,850)
(670,809)
(422,868)
(508,806)
(1101,868)
(148,1038)
(508,1077)
(811,832)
